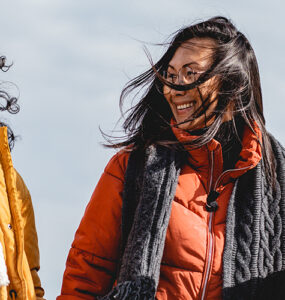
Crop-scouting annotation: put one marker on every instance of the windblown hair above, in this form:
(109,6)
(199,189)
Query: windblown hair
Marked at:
(235,64)
(7,103)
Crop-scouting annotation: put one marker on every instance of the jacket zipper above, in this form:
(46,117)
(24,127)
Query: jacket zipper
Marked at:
(227,171)
(211,246)
(210,225)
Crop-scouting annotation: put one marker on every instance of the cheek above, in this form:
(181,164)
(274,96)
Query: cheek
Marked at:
(209,88)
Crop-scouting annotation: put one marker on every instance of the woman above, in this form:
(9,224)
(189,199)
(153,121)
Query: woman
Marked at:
(19,252)
(193,206)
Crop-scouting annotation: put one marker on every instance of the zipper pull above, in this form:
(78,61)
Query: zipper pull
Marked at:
(212,205)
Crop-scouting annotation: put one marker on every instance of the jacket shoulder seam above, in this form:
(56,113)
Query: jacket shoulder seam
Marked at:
(110,174)
(84,252)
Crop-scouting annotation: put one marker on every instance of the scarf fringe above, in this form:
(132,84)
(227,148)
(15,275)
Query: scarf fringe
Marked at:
(140,289)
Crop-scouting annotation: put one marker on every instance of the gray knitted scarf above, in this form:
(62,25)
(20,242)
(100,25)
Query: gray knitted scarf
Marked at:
(254,253)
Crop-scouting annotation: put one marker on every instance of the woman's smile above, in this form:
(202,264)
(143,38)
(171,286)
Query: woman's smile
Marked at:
(183,110)
(185,107)
(197,54)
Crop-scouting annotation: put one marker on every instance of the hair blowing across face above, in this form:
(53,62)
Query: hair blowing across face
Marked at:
(239,93)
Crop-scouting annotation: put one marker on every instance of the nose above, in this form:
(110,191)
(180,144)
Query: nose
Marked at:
(177,93)
(180,81)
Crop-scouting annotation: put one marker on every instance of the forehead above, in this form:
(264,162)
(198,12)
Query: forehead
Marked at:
(197,51)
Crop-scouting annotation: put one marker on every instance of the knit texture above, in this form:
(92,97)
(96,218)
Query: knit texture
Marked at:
(254,254)
(144,228)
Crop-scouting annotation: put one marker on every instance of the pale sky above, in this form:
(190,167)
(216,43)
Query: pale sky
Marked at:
(71,60)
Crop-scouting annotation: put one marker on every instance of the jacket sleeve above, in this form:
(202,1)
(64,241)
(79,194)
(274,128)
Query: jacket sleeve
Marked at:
(92,260)
(30,235)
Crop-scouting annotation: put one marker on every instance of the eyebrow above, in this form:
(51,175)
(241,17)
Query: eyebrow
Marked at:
(185,65)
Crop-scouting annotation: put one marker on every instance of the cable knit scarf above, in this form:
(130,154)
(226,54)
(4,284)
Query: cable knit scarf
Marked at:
(254,253)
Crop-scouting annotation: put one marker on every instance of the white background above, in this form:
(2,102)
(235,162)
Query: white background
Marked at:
(71,60)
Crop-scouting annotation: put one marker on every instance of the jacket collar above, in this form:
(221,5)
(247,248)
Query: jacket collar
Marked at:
(250,154)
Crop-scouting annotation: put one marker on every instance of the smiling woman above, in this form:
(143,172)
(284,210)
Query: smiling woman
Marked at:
(193,206)
(192,58)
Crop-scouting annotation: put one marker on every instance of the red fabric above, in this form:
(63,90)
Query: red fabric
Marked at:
(91,263)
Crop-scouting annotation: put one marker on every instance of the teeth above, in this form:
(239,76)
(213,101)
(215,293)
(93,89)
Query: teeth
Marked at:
(186,105)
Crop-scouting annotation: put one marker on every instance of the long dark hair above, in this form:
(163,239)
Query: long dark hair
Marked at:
(234,61)
(7,103)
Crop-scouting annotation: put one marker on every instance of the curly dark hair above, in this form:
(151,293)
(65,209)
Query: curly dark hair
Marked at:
(8,103)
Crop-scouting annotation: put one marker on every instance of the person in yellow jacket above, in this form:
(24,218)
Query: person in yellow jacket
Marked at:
(19,252)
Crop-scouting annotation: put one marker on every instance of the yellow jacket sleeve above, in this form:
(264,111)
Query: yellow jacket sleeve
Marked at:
(30,235)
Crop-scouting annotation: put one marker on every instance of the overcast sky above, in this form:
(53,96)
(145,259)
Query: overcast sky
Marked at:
(71,60)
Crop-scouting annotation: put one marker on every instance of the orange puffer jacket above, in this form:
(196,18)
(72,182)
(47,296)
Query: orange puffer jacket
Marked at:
(191,266)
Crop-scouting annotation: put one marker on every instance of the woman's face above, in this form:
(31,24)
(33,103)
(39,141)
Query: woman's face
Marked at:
(196,56)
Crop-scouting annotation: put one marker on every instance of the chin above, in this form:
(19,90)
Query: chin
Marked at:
(185,126)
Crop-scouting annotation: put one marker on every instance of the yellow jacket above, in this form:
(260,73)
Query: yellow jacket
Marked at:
(18,235)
